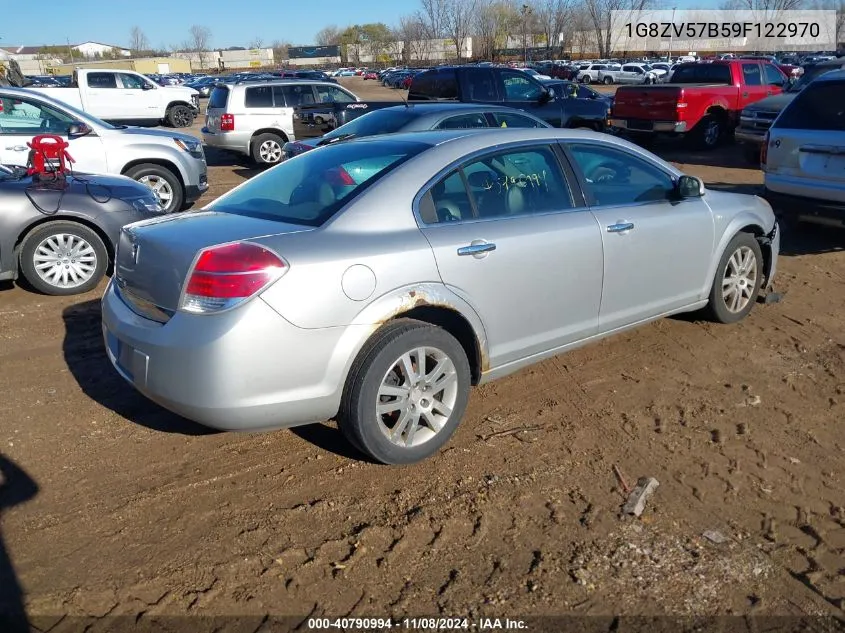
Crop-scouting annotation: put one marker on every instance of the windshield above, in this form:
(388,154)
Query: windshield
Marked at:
(312,187)
(376,122)
(810,73)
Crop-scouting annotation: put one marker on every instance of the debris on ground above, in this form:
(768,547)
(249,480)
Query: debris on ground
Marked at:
(636,500)
(714,536)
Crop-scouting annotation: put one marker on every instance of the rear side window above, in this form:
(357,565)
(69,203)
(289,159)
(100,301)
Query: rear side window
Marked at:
(312,188)
(219,97)
(481,84)
(259,97)
(446,85)
(102,80)
(463,121)
(751,75)
(423,85)
(294,95)
(820,106)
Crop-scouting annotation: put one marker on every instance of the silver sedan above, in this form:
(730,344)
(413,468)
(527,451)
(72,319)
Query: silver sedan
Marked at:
(376,281)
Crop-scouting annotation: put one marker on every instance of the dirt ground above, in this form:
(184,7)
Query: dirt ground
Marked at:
(120,508)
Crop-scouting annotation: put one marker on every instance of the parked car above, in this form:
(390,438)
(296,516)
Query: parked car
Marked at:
(590,73)
(127,96)
(371,74)
(60,234)
(171,163)
(419,117)
(300,262)
(803,158)
(756,118)
(533,73)
(704,100)
(609,74)
(504,86)
(204,85)
(257,119)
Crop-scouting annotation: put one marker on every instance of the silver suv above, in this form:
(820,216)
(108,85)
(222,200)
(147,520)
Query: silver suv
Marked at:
(804,154)
(257,118)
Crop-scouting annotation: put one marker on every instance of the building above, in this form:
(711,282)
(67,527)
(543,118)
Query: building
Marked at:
(145,65)
(314,55)
(246,58)
(91,50)
(437,50)
(31,61)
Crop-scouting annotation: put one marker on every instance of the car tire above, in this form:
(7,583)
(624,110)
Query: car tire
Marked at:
(318,120)
(163,182)
(267,149)
(734,291)
(74,248)
(378,369)
(709,132)
(608,81)
(180,116)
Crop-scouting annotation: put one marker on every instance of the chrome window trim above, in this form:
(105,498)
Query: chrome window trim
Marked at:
(467,158)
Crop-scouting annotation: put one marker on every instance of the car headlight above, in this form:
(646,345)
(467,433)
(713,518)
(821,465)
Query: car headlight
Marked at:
(147,204)
(192,146)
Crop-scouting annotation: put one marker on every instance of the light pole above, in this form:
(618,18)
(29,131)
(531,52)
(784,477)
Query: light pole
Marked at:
(671,34)
(526,11)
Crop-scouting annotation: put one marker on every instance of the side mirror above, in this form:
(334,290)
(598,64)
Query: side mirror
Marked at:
(147,86)
(77,130)
(546,96)
(689,187)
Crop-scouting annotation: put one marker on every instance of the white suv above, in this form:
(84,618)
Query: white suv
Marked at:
(803,156)
(257,118)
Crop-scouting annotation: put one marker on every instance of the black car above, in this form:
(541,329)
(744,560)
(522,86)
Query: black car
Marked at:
(60,232)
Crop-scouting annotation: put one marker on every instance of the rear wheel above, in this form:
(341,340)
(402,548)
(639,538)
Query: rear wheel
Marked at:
(737,280)
(608,81)
(164,183)
(406,393)
(63,258)
(267,149)
(709,132)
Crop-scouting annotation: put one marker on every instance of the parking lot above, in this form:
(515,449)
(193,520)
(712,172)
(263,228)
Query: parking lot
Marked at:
(140,512)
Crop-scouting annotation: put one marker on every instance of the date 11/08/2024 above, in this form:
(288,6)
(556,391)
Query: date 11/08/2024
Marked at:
(713,30)
(416,624)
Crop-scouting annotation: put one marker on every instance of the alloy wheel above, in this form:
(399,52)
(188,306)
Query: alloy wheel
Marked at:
(160,187)
(740,279)
(270,151)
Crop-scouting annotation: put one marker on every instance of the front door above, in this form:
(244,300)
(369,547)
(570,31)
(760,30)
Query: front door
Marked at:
(139,97)
(753,86)
(657,250)
(21,119)
(523,92)
(510,239)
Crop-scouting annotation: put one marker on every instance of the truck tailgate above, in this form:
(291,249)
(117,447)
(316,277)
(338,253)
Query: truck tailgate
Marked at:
(650,103)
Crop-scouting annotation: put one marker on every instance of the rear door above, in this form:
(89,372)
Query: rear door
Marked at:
(104,96)
(23,118)
(511,237)
(806,153)
(299,100)
(657,251)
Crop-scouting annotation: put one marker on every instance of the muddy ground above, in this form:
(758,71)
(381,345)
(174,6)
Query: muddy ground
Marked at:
(120,508)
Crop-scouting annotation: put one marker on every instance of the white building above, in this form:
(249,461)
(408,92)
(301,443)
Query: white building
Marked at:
(411,51)
(98,49)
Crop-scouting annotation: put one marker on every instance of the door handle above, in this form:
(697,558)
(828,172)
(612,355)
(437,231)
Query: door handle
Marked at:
(620,227)
(745,94)
(477,249)
(18,148)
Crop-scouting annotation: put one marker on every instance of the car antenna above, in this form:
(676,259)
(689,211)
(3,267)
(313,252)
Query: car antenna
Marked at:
(404,101)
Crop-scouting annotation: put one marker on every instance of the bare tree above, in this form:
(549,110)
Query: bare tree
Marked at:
(603,23)
(552,19)
(280,50)
(458,18)
(198,43)
(764,6)
(433,16)
(138,41)
(328,36)
(494,21)
(414,35)
(256,42)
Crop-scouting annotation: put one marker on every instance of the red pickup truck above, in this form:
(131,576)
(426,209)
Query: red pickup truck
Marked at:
(703,100)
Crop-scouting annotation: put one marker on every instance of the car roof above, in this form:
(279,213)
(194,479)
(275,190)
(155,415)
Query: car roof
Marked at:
(275,82)
(835,62)
(422,108)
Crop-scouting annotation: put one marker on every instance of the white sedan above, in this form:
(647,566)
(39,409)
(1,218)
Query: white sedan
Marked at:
(535,74)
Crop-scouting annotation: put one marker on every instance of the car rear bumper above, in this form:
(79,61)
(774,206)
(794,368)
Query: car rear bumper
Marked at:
(644,126)
(245,369)
(228,141)
(746,136)
(800,207)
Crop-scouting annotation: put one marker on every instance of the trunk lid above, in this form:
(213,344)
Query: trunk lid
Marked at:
(154,257)
(650,103)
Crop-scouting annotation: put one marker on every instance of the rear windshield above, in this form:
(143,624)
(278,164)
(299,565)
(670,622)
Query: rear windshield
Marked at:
(218,98)
(702,74)
(312,187)
(819,107)
(376,122)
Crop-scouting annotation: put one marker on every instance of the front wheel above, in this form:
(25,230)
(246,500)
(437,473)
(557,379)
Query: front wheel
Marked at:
(406,392)
(164,183)
(737,282)
(63,258)
(180,116)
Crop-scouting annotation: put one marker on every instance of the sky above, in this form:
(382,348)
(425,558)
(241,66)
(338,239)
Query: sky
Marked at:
(232,22)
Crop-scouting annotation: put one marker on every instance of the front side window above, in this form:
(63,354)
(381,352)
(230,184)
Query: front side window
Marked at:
(295,95)
(463,121)
(259,97)
(332,94)
(27,117)
(773,76)
(315,186)
(132,82)
(820,106)
(616,177)
(518,87)
(102,80)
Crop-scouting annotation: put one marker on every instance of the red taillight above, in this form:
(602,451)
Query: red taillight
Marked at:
(339,177)
(226,275)
(764,150)
(227,123)
(681,105)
